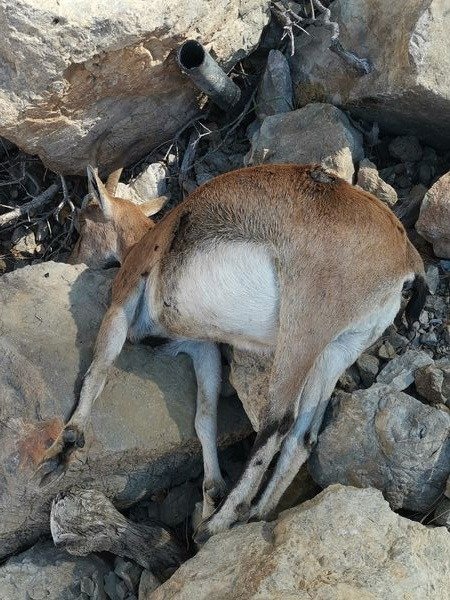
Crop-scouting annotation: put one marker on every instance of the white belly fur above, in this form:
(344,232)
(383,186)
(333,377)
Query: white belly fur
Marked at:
(232,287)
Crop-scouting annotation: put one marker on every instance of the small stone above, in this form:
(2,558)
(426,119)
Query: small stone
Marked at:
(397,341)
(386,351)
(432,278)
(275,89)
(369,180)
(152,182)
(128,571)
(433,381)
(399,372)
(24,242)
(429,339)
(88,586)
(350,380)
(406,148)
(111,581)
(368,366)
(408,210)
(179,504)
(148,584)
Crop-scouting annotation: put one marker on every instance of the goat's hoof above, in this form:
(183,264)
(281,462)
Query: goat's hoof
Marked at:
(54,462)
(202,533)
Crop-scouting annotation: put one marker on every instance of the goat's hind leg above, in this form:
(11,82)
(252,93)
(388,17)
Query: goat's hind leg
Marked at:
(338,355)
(291,364)
(207,365)
(109,343)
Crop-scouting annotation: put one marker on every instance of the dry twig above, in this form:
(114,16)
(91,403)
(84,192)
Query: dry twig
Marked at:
(35,203)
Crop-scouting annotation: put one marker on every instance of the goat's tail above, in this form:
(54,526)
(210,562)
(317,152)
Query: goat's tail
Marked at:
(416,302)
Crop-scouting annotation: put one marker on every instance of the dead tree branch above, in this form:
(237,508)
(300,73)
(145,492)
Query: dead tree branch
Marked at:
(35,203)
(85,521)
(362,65)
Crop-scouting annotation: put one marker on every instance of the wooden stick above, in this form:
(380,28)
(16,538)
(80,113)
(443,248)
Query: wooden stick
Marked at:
(37,202)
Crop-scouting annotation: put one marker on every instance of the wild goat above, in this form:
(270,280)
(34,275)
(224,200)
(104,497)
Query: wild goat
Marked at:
(276,258)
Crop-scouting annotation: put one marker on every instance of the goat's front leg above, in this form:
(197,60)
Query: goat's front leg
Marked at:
(110,340)
(207,365)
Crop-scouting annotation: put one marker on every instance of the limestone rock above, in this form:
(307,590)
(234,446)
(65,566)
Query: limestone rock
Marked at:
(406,148)
(152,182)
(318,133)
(43,571)
(433,382)
(142,437)
(98,82)
(275,90)
(345,544)
(399,372)
(370,181)
(408,86)
(368,366)
(386,439)
(433,223)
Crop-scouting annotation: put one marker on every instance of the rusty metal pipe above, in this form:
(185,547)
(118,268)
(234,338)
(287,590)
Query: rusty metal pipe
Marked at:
(206,74)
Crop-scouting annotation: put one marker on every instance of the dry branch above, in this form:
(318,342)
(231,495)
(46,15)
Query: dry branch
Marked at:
(85,521)
(37,202)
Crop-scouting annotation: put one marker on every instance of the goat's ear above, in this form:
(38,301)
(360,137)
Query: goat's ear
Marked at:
(98,191)
(151,207)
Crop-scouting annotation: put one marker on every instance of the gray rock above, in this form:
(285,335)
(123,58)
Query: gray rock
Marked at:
(432,278)
(433,382)
(369,180)
(345,544)
(408,210)
(433,223)
(44,572)
(406,148)
(148,584)
(399,372)
(129,572)
(179,504)
(82,80)
(406,89)
(318,133)
(386,439)
(142,437)
(368,366)
(152,182)
(275,90)
(386,350)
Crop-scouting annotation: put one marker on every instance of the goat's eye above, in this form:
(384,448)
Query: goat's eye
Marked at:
(112,263)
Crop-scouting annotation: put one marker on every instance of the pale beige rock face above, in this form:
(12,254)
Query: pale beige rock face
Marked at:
(369,180)
(84,81)
(408,90)
(433,223)
(345,544)
(317,133)
(142,436)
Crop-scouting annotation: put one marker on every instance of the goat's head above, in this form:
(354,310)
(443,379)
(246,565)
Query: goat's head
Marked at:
(109,226)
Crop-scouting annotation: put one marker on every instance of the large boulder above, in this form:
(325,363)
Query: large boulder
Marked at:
(433,223)
(408,90)
(345,544)
(83,81)
(46,572)
(142,437)
(384,438)
(319,133)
